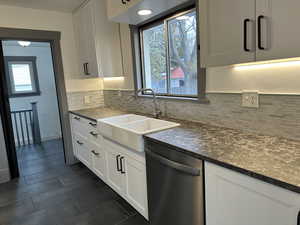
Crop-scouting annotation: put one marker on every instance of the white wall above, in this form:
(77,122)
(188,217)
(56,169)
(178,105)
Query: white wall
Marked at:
(47,101)
(271,80)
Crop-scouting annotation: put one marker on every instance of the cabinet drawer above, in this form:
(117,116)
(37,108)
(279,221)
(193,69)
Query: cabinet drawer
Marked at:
(82,151)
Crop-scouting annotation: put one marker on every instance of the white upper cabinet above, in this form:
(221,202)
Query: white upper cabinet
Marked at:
(98,41)
(279,32)
(85,40)
(227,32)
(233,31)
(236,199)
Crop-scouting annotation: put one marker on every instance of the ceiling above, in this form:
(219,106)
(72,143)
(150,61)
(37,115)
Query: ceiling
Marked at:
(56,5)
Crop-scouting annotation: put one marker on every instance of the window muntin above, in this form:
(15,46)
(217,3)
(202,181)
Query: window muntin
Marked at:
(169,55)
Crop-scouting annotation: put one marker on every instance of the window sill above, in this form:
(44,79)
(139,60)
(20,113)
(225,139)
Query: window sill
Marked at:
(200,100)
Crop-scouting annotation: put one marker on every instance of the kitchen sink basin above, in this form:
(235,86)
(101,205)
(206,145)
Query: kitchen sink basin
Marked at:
(107,125)
(128,130)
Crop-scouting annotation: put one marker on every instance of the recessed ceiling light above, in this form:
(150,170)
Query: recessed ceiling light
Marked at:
(144,12)
(24,43)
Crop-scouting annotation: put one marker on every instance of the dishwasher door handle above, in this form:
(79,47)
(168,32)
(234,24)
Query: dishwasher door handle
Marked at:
(177,166)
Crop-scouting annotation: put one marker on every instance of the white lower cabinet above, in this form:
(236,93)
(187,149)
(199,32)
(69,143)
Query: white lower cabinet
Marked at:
(236,199)
(136,185)
(98,160)
(115,178)
(82,151)
(121,168)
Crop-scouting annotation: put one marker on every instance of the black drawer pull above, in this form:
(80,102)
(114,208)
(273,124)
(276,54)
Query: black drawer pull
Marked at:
(123,2)
(118,167)
(95,153)
(80,143)
(77,118)
(93,124)
(94,134)
(298,219)
(121,162)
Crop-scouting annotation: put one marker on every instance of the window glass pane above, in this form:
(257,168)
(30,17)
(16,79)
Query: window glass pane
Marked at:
(154,59)
(183,54)
(21,77)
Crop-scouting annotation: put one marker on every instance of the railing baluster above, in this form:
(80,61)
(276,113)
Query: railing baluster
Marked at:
(21,125)
(27,130)
(31,127)
(17,130)
(35,118)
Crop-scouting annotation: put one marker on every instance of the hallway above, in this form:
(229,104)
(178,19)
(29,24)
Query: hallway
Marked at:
(51,193)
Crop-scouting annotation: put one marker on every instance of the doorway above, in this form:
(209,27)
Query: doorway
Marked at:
(33,104)
(34,109)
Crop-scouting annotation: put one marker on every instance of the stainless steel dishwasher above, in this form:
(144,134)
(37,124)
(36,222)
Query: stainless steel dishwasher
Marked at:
(175,187)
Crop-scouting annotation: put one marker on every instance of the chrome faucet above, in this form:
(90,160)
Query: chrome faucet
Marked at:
(157,112)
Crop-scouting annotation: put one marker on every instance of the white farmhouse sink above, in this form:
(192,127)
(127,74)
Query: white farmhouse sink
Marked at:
(107,125)
(128,130)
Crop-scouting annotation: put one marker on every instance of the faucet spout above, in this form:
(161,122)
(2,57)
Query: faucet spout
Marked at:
(157,112)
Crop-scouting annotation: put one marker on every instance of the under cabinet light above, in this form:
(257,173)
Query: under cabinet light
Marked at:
(268,65)
(113,78)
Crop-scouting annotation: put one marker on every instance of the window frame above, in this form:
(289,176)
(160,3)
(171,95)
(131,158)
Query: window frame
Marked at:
(138,59)
(30,60)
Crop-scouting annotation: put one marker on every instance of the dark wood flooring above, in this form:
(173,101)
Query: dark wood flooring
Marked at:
(51,193)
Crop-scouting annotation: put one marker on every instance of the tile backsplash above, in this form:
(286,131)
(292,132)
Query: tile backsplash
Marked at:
(277,115)
(76,99)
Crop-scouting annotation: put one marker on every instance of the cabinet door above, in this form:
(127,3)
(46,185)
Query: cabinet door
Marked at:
(114,177)
(279,29)
(227,32)
(136,185)
(84,26)
(236,199)
(82,150)
(98,160)
(108,43)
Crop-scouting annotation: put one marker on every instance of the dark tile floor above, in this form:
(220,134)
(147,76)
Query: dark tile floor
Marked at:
(51,193)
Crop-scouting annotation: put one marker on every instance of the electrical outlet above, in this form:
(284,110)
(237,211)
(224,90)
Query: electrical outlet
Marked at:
(250,99)
(87,99)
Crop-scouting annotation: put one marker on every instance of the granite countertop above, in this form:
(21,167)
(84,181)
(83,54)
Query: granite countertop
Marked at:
(97,113)
(271,159)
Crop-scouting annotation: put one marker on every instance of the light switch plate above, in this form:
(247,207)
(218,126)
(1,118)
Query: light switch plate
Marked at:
(250,99)
(87,99)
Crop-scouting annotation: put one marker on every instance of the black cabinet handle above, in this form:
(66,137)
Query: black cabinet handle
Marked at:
(80,143)
(121,162)
(123,2)
(86,68)
(298,219)
(118,167)
(93,124)
(246,21)
(77,118)
(259,30)
(95,153)
(94,134)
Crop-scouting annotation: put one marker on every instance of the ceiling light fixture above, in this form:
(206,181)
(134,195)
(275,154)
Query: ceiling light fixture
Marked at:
(184,17)
(144,12)
(24,43)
